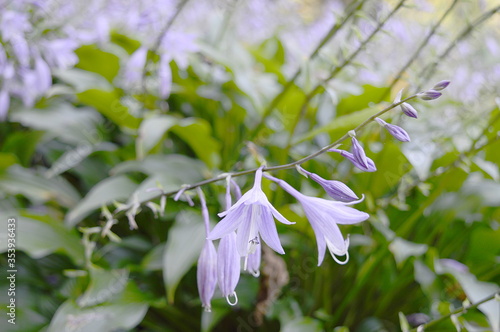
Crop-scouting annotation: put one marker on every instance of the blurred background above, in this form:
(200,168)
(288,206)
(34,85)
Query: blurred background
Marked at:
(101,100)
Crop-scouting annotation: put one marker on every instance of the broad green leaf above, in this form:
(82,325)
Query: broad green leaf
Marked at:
(354,103)
(104,318)
(104,286)
(63,121)
(17,180)
(197,134)
(403,249)
(303,324)
(177,165)
(108,104)
(184,244)
(95,60)
(23,145)
(40,236)
(153,261)
(82,80)
(151,131)
(7,159)
(114,188)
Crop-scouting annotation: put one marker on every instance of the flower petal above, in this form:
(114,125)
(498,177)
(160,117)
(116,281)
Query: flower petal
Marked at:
(227,225)
(247,230)
(228,265)
(268,231)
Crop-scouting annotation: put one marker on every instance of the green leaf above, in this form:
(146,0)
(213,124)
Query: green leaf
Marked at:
(104,286)
(184,244)
(197,134)
(151,131)
(82,80)
(108,104)
(95,60)
(402,249)
(23,145)
(40,236)
(111,189)
(105,318)
(22,181)
(7,159)
(354,103)
(302,324)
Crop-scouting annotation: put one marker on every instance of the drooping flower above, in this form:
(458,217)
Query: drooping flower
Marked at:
(206,273)
(228,266)
(165,77)
(324,215)
(4,104)
(396,131)
(429,95)
(368,167)
(252,216)
(441,85)
(135,66)
(408,110)
(335,189)
(359,153)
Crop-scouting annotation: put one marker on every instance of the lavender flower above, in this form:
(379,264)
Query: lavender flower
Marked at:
(396,131)
(228,267)
(358,157)
(324,215)
(408,110)
(165,77)
(441,85)
(429,95)
(43,74)
(135,65)
(206,273)
(359,153)
(252,215)
(335,189)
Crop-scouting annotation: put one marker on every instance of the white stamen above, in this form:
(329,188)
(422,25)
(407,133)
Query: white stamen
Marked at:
(235,299)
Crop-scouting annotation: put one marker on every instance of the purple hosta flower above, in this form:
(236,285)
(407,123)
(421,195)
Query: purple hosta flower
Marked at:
(324,215)
(59,53)
(335,189)
(408,110)
(371,165)
(206,273)
(252,215)
(4,104)
(135,66)
(176,45)
(429,95)
(14,24)
(396,131)
(359,153)
(228,266)
(441,85)
(21,51)
(165,77)
(43,74)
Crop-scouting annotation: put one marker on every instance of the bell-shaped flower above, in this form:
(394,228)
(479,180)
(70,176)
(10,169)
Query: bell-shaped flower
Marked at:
(252,216)
(324,215)
(228,267)
(396,131)
(408,110)
(206,273)
(335,189)
(369,167)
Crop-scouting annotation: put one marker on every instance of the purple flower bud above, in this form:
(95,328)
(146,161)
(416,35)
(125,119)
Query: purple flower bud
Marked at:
(441,85)
(335,189)
(228,267)
(396,131)
(253,259)
(43,74)
(408,110)
(165,77)
(359,153)
(429,95)
(206,274)
(371,165)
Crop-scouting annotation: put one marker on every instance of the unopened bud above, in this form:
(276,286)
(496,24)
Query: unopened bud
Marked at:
(429,95)
(441,85)
(408,110)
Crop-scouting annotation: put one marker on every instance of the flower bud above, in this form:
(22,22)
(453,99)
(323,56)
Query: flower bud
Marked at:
(408,110)
(429,95)
(206,274)
(441,85)
(228,267)
(335,189)
(396,131)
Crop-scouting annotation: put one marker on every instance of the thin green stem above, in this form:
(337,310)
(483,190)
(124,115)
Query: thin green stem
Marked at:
(426,73)
(331,33)
(456,312)
(422,45)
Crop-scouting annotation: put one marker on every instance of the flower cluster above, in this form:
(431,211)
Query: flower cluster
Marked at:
(251,218)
